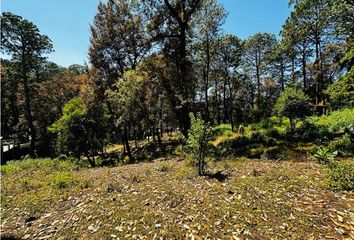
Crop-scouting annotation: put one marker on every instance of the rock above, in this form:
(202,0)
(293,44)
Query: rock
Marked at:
(31,219)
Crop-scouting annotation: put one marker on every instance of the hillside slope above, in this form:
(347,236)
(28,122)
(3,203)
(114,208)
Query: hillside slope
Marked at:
(255,200)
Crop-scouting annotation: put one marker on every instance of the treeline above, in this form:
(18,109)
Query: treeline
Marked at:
(152,62)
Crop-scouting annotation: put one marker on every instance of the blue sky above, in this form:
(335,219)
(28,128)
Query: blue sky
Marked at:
(66,22)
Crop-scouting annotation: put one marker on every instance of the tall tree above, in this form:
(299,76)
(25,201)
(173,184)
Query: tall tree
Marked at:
(119,41)
(22,40)
(313,19)
(230,50)
(171,26)
(256,48)
(278,61)
(208,22)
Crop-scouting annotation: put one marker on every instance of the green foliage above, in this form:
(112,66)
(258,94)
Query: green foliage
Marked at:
(62,180)
(341,175)
(337,121)
(222,129)
(294,104)
(41,164)
(198,140)
(180,151)
(342,144)
(74,112)
(342,91)
(164,167)
(78,131)
(324,155)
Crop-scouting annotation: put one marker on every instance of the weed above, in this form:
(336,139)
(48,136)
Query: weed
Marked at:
(62,180)
(324,155)
(164,167)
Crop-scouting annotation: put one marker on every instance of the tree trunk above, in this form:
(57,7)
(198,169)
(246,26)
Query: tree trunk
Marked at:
(304,77)
(206,87)
(28,114)
(126,143)
(282,77)
(224,100)
(231,106)
(258,76)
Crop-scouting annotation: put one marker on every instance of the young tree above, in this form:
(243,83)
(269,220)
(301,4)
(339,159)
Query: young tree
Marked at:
(293,104)
(22,40)
(198,139)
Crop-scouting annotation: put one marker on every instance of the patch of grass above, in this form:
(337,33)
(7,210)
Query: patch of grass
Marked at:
(259,200)
(62,180)
(341,175)
(164,167)
(30,166)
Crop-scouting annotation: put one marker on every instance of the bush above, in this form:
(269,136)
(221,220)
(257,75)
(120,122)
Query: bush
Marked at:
(337,121)
(343,144)
(324,155)
(80,132)
(222,129)
(180,151)
(293,104)
(62,180)
(341,175)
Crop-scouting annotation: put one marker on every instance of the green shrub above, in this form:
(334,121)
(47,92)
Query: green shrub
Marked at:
(325,155)
(337,121)
(180,151)
(221,130)
(294,104)
(341,175)
(343,144)
(62,180)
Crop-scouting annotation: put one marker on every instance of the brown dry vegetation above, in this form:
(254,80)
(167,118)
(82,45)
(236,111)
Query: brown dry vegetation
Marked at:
(167,200)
